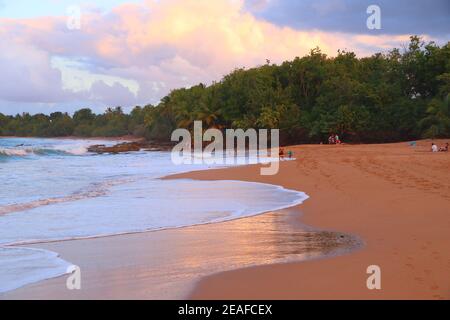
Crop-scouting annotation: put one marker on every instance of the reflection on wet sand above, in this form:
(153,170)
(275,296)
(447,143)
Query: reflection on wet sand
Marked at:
(166,264)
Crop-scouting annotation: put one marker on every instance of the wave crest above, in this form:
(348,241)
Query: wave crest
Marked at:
(61,151)
(93,191)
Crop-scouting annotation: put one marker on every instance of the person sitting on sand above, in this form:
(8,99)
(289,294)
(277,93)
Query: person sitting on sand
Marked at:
(290,154)
(444,148)
(434,148)
(331,139)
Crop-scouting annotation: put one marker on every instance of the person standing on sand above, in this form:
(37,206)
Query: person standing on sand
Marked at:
(434,148)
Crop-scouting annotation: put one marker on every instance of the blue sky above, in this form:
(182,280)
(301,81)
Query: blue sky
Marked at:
(38,8)
(398,16)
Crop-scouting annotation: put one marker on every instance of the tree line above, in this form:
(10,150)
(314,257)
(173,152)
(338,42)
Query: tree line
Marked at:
(399,95)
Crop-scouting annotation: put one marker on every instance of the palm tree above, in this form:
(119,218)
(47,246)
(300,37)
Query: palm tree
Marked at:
(209,116)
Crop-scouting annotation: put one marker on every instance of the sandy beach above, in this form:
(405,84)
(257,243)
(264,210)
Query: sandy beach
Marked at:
(394,197)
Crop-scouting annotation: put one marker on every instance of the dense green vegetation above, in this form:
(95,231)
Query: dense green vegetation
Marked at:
(386,97)
(84,123)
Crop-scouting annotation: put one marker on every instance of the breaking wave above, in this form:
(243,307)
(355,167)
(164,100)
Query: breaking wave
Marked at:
(93,191)
(61,151)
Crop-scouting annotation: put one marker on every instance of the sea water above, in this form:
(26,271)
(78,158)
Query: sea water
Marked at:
(54,189)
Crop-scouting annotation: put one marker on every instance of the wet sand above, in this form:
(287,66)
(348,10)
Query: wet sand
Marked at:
(167,264)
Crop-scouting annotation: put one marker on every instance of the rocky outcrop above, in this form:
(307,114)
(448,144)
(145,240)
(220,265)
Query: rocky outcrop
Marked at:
(157,146)
(118,148)
(134,146)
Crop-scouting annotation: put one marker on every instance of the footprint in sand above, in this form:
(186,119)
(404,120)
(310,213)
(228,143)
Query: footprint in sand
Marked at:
(434,287)
(409,265)
(436,255)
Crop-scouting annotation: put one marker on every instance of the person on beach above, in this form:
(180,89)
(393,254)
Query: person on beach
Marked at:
(331,139)
(281,154)
(434,148)
(444,148)
(290,154)
(336,139)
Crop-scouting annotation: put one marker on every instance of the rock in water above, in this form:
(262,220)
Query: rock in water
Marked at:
(118,148)
(132,146)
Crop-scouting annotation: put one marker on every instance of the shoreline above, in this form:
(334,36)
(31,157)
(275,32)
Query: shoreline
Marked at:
(315,279)
(305,197)
(99,270)
(336,244)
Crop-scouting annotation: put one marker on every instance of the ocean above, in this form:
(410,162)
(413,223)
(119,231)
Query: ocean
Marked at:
(54,189)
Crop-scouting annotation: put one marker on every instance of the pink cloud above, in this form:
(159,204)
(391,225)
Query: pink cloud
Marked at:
(161,45)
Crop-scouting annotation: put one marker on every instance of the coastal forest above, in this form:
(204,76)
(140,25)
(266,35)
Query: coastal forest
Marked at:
(400,95)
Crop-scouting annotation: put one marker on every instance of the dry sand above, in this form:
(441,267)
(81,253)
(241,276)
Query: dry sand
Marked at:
(395,197)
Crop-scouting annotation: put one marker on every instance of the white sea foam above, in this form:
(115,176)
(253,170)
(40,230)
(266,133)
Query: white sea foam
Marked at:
(49,147)
(13,152)
(21,266)
(56,198)
(77,150)
(92,191)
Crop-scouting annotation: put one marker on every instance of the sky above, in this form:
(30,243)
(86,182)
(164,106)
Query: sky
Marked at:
(62,55)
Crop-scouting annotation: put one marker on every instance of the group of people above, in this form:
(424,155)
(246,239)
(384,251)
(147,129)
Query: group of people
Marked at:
(282,154)
(435,148)
(334,139)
